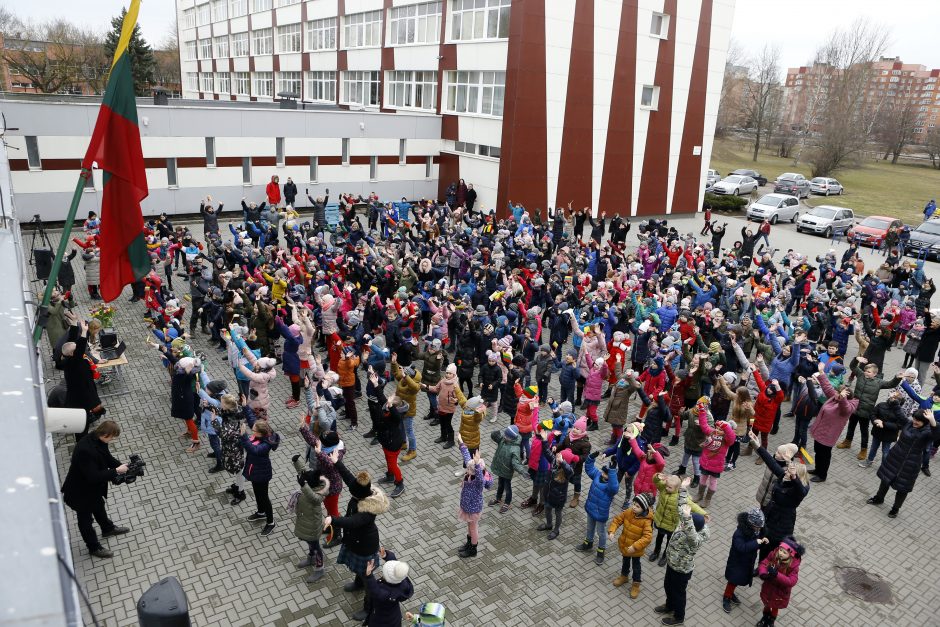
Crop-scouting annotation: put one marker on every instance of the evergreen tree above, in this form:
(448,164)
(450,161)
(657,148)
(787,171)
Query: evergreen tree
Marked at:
(141,54)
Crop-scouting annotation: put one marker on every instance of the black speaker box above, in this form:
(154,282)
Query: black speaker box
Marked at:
(164,605)
(43,257)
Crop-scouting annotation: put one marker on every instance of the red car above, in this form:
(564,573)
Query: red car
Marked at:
(872,230)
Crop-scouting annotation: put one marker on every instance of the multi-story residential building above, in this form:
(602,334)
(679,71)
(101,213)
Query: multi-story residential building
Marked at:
(604,103)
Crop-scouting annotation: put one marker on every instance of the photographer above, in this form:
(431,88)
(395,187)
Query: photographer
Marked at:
(86,485)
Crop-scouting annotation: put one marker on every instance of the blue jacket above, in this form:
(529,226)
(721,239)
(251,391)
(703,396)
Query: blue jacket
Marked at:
(667,316)
(781,368)
(601,494)
(290,359)
(626,460)
(701,296)
(568,375)
(841,335)
(257,461)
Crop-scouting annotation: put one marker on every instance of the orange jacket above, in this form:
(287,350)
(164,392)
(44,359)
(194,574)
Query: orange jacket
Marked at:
(347,371)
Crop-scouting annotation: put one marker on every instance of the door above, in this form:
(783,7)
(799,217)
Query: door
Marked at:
(843,220)
(789,208)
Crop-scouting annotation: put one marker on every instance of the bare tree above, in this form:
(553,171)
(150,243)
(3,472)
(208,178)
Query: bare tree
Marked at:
(49,54)
(731,103)
(932,146)
(895,125)
(763,94)
(167,58)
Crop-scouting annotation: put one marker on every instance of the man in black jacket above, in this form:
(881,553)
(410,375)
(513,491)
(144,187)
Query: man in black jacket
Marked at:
(86,485)
(290,192)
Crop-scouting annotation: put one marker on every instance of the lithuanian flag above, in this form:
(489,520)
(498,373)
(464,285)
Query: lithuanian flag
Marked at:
(115,146)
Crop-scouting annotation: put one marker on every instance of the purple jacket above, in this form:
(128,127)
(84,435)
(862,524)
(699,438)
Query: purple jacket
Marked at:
(471,490)
(832,416)
(594,385)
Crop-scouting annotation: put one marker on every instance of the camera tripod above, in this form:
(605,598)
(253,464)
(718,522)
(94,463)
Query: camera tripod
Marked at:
(40,235)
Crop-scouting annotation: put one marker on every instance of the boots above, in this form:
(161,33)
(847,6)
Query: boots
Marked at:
(216,468)
(674,440)
(355,584)
(538,509)
(238,496)
(336,541)
(410,455)
(619,580)
(599,558)
(748,451)
(844,444)
(585,546)
(695,481)
(707,501)
(316,575)
(399,490)
(231,489)
(635,590)
(305,562)
(574,500)
(862,454)
(465,544)
(654,556)
(700,495)
(388,478)
(469,551)
(681,471)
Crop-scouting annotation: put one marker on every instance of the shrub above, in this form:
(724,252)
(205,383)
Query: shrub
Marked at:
(724,203)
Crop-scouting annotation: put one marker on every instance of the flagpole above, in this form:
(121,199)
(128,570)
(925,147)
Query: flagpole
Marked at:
(43,314)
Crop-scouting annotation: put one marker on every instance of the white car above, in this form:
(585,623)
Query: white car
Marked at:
(826,186)
(712,177)
(736,185)
(774,207)
(826,220)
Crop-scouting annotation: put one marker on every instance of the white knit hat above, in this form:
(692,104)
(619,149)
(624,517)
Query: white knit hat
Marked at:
(394,572)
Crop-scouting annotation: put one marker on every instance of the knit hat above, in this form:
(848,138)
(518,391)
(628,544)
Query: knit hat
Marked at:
(511,432)
(480,310)
(473,403)
(730,378)
(362,487)
(394,572)
(545,348)
(579,430)
(787,451)
(492,356)
(911,372)
(565,407)
(436,344)
(644,500)
(836,369)
(451,369)
(531,391)
(755,517)
(406,334)
(698,520)
(266,363)
(294,329)
(326,301)
(328,442)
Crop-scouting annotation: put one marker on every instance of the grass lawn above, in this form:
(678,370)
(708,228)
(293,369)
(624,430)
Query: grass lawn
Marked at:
(871,188)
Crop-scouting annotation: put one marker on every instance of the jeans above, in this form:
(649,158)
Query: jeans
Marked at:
(800,428)
(432,401)
(675,584)
(504,485)
(599,527)
(447,427)
(856,420)
(410,432)
(875,445)
(216,444)
(694,456)
(85,518)
(823,458)
(637,568)
(567,393)
(525,445)
(549,510)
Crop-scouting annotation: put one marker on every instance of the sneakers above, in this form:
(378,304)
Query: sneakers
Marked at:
(635,589)
(102,553)
(460,472)
(726,604)
(315,576)
(865,464)
(448,444)
(862,454)
(543,527)
(593,426)
(734,599)
(654,556)
(662,561)
(925,470)
(215,469)
(619,580)
(553,534)
(117,531)
(388,478)
(844,444)
(662,609)
(292,403)
(817,479)
(893,513)
(352,586)
(874,500)
(410,455)
(399,490)
(256,517)
(369,434)
(504,508)
(440,440)
(729,467)
(671,620)
(360,616)
(268,529)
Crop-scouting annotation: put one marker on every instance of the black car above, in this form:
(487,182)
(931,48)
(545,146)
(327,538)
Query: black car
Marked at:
(925,241)
(754,174)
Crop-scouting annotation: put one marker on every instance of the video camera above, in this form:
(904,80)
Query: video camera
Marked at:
(135,468)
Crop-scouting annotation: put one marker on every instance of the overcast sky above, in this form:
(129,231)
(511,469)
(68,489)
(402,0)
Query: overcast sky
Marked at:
(797,26)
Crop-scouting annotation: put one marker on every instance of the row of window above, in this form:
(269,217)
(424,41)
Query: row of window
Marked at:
(473,92)
(218,10)
(409,24)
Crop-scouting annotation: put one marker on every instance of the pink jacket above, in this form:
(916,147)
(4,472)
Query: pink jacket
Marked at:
(643,482)
(775,592)
(715,445)
(832,416)
(594,385)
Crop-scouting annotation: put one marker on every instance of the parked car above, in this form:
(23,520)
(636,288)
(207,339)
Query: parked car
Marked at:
(925,241)
(826,186)
(872,230)
(792,183)
(826,220)
(712,177)
(736,185)
(774,207)
(754,174)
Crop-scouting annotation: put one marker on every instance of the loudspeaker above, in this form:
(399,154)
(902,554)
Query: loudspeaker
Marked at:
(108,338)
(43,257)
(164,605)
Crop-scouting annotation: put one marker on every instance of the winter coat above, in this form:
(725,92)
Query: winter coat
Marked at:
(739,569)
(80,389)
(643,482)
(490,377)
(91,470)
(507,458)
(617,405)
(449,395)
(902,465)
(233,455)
(324,463)
(685,542)
(575,452)
(470,427)
(347,371)
(290,360)
(694,437)
(92,267)
(637,532)
(666,516)
(386,598)
(715,446)
(765,408)
(785,498)
(308,521)
(525,407)
(557,492)
(273,192)
(257,457)
(832,416)
(434,365)
(183,394)
(407,389)
(471,489)
(775,591)
(892,417)
(867,391)
(360,534)
(389,429)
(602,493)
(594,385)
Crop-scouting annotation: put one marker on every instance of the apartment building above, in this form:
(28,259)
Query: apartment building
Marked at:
(604,103)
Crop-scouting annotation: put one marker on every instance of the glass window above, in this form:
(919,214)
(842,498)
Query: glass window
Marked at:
(241,84)
(288,38)
(428,167)
(476,92)
(260,5)
(362,30)
(192,81)
(223,83)
(373,168)
(314,168)
(345,151)
(210,151)
(288,82)
(32,153)
(321,34)
(171,172)
(206,82)
(190,48)
(479,19)
(203,14)
(649,98)
(246,170)
(402,151)
(659,27)
(321,87)
(240,44)
(189,18)
(237,8)
(262,41)
(415,24)
(279,150)
(221,46)
(205,48)
(412,89)
(287,3)
(219,10)
(361,88)
(262,84)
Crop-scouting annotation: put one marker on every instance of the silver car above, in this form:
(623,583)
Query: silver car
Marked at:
(774,207)
(825,186)
(712,177)
(736,185)
(826,220)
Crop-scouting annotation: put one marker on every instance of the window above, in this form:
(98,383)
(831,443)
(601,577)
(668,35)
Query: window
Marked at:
(288,38)
(32,153)
(223,83)
(402,151)
(221,46)
(190,54)
(206,83)
(279,151)
(262,41)
(649,98)
(246,170)
(361,88)
(90,181)
(412,89)
(171,172)
(362,29)
(288,82)
(415,24)
(659,27)
(260,5)
(345,151)
(373,168)
(192,81)
(189,18)
(210,152)
(428,167)
(476,92)
(321,34)
(203,14)
(286,3)
(240,44)
(205,48)
(262,84)
(241,84)
(479,19)
(488,151)
(219,10)
(314,167)
(321,86)
(237,8)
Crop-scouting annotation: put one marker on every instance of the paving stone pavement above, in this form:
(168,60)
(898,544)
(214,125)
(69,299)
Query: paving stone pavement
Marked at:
(182,525)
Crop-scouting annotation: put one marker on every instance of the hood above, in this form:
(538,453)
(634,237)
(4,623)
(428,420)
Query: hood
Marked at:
(744,526)
(396,592)
(274,440)
(376,503)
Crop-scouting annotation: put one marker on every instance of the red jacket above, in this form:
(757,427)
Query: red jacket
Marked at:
(765,409)
(273,191)
(775,591)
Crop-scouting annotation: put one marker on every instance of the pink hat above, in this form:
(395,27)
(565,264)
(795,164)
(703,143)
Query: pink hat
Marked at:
(294,329)
(581,423)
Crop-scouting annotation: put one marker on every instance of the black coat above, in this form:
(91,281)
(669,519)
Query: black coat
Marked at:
(182,395)
(81,391)
(290,192)
(90,472)
(786,497)
(491,377)
(386,598)
(742,556)
(889,413)
(557,493)
(389,428)
(902,465)
(360,533)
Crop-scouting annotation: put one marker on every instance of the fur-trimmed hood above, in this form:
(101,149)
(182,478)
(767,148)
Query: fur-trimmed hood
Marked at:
(376,503)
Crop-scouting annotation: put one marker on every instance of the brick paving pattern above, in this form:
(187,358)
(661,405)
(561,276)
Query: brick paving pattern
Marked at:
(183,525)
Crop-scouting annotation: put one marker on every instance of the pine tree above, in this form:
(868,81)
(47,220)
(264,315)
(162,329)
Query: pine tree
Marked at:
(141,54)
